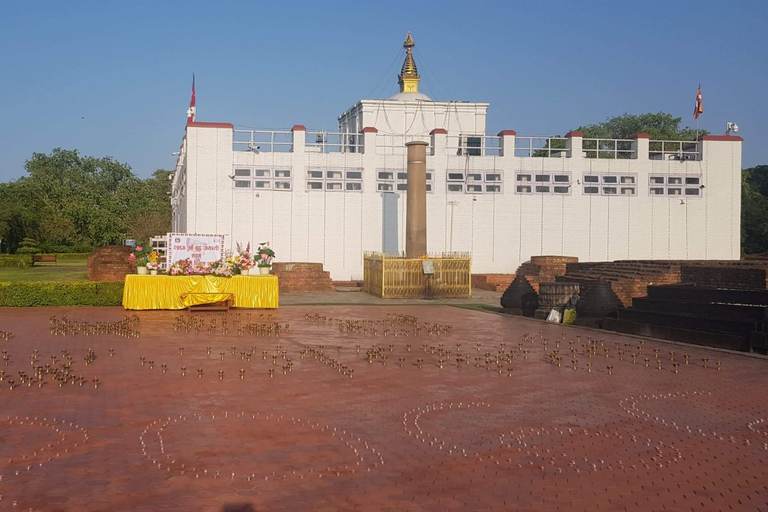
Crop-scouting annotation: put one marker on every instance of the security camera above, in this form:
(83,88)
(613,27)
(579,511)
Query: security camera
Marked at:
(731,127)
(176,153)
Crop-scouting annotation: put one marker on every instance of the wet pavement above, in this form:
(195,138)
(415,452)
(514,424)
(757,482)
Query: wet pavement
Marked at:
(369,407)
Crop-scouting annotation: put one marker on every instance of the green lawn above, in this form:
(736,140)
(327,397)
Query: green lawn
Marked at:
(44,273)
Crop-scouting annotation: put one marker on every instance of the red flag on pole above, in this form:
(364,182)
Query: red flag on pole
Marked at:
(192,109)
(699,108)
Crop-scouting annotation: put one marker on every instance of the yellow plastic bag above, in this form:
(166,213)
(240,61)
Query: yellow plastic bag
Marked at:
(569,316)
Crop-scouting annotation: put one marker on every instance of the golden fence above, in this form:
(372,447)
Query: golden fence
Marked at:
(395,277)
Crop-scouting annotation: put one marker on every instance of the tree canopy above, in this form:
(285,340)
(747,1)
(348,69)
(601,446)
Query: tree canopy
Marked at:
(72,202)
(660,126)
(754,210)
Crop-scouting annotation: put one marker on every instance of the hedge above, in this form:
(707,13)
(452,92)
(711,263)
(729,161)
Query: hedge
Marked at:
(16,260)
(79,293)
(68,256)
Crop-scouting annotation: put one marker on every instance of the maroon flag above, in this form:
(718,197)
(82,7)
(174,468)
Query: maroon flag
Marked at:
(699,108)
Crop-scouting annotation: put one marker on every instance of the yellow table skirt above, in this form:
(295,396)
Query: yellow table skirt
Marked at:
(165,292)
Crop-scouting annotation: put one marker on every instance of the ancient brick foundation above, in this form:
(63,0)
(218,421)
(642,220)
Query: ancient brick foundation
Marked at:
(302,277)
(493,282)
(110,263)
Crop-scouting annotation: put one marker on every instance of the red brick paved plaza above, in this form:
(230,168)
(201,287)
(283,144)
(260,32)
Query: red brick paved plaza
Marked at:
(456,410)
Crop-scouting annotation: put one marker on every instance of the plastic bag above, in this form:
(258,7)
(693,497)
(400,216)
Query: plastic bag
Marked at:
(569,316)
(554,316)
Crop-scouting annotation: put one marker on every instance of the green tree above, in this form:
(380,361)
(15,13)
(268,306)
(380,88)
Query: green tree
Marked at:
(67,200)
(754,210)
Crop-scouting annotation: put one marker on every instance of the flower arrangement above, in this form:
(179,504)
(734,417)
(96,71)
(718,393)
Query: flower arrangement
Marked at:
(243,259)
(187,267)
(265,255)
(139,255)
(153,260)
(221,268)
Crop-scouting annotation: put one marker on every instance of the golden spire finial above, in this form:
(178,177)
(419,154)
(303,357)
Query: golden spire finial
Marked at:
(409,76)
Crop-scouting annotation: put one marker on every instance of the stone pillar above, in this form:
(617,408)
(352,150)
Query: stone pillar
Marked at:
(416,206)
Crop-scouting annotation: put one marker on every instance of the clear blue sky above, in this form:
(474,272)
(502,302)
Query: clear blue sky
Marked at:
(113,78)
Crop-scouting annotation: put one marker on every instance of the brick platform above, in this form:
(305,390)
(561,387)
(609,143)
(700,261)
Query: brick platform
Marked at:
(110,263)
(302,277)
(493,282)
(409,430)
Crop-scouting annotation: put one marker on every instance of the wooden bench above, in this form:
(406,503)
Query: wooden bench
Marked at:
(213,306)
(44,258)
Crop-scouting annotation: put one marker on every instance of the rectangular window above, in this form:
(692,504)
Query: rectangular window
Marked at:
(357,186)
(402,187)
(314,185)
(609,191)
(386,175)
(395,180)
(674,191)
(627,180)
(455,187)
(523,177)
(628,191)
(474,189)
(333,175)
(474,177)
(242,184)
(692,192)
(262,173)
(610,179)
(282,173)
(492,176)
(692,181)
(591,190)
(591,178)
(523,189)
(315,175)
(562,178)
(542,189)
(542,178)
(561,189)
(354,175)
(262,184)
(243,173)
(455,176)
(674,180)
(333,185)
(657,180)
(493,189)
(384,187)
(657,191)
(264,178)
(283,185)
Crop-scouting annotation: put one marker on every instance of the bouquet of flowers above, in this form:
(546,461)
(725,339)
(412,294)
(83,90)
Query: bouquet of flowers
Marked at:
(153,260)
(139,255)
(265,255)
(242,260)
(221,268)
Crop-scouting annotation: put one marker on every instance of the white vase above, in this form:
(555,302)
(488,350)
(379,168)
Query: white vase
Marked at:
(245,271)
(264,270)
(153,272)
(142,271)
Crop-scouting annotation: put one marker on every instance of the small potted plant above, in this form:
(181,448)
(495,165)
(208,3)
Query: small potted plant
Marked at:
(264,257)
(138,256)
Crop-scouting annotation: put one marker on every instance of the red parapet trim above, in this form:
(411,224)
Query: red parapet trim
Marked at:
(299,128)
(726,138)
(574,133)
(439,131)
(641,135)
(198,124)
(502,133)
(370,129)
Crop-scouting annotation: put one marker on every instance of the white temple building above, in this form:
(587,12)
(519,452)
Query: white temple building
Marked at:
(329,197)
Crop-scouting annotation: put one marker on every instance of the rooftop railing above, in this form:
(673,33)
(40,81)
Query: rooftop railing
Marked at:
(271,141)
